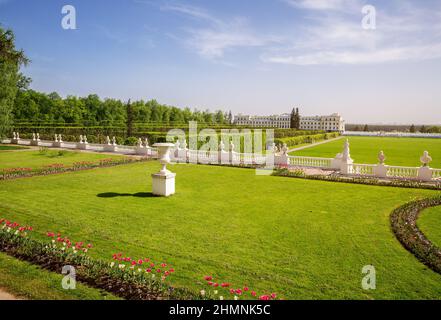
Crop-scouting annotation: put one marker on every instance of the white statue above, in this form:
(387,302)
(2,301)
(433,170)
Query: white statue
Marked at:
(33,136)
(18,136)
(14,136)
(56,138)
(381,157)
(284,149)
(38,136)
(139,143)
(146,143)
(85,139)
(346,155)
(81,138)
(114,141)
(426,159)
(231,146)
(221,146)
(107,140)
(59,138)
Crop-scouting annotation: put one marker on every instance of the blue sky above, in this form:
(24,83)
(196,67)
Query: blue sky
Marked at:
(248,56)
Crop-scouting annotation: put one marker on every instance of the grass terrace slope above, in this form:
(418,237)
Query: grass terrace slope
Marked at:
(429,223)
(36,159)
(399,151)
(27,281)
(299,238)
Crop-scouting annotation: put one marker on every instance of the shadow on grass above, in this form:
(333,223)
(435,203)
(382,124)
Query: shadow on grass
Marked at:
(115,194)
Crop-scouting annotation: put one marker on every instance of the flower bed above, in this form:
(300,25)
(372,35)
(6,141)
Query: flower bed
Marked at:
(126,277)
(14,173)
(403,221)
(298,173)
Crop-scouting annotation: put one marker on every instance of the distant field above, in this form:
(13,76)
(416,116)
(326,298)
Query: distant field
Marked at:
(399,151)
(36,159)
(430,224)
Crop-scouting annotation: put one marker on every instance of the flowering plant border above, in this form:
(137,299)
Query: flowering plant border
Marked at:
(56,168)
(403,222)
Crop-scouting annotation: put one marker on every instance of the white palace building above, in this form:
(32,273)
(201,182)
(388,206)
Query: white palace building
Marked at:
(333,122)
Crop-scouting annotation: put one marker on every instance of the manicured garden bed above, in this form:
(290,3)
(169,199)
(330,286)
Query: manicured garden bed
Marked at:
(44,157)
(297,238)
(399,151)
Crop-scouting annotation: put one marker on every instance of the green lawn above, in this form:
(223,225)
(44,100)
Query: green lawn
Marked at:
(429,223)
(7,148)
(35,159)
(399,151)
(28,281)
(299,238)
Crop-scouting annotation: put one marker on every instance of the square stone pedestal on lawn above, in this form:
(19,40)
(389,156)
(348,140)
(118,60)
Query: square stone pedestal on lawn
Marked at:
(163,184)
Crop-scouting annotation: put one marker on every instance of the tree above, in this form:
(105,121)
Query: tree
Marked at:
(423,129)
(129,118)
(295,119)
(11,80)
(412,129)
(230,118)
(366,128)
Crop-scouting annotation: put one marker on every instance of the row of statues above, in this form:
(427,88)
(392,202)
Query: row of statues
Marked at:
(281,149)
(145,145)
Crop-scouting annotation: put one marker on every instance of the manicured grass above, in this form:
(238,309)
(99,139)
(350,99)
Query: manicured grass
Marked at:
(28,281)
(399,151)
(35,159)
(429,223)
(8,148)
(299,238)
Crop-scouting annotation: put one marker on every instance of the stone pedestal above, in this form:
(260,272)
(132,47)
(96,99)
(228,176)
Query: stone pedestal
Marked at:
(82,145)
(224,157)
(58,144)
(380,170)
(110,148)
(163,184)
(15,141)
(425,173)
(35,142)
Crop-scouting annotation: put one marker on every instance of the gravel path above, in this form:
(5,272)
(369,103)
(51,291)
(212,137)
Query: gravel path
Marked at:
(314,144)
(6,296)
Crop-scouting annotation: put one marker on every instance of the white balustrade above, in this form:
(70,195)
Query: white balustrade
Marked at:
(402,172)
(312,162)
(363,169)
(436,173)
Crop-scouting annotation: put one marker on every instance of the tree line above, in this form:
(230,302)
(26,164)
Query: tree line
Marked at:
(37,107)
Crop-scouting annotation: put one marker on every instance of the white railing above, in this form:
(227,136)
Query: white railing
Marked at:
(363,169)
(235,158)
(436,173)
(312,162)
(402,172)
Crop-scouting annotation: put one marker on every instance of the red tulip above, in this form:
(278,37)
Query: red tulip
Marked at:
(238,291)
(171,270)
(232,291)
(158,270)
(225,284)
(264,297)
(208,278)
(215,284)
(148,270)
(246,289)
(140,261)
(273,295)
(210,283)
(253,293)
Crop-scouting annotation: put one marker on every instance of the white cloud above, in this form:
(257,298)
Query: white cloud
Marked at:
(217,36)
(340,5)
(408,33)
